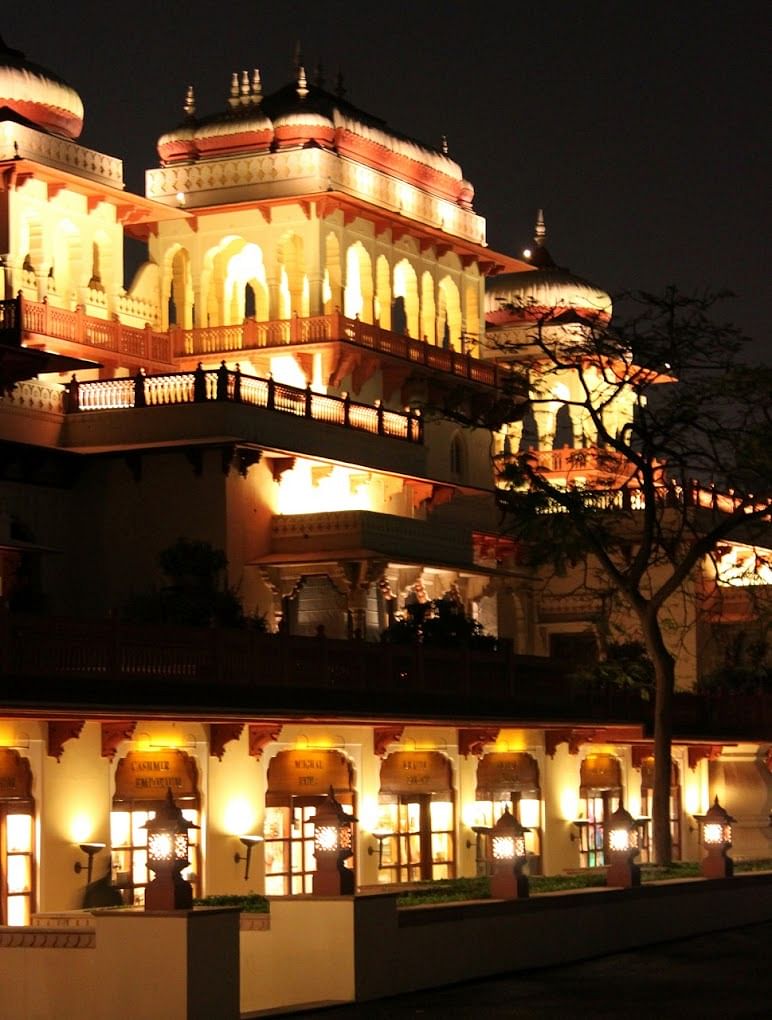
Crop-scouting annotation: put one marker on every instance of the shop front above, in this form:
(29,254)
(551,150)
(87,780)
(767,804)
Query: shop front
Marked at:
(298,783)
(507,781)
(416,818)
(600,795)
(142,779)
(17,818)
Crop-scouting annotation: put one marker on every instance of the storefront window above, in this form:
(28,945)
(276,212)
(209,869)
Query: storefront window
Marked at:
(290,811)
(507,781)
(141,781)
(647,793)
(16,839)
(600,796)
(415,830)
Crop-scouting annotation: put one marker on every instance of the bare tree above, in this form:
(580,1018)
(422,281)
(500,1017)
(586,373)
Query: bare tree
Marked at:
(670,457)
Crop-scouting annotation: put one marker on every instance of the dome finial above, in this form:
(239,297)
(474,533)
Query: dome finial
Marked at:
(189,107)
(297,57)
(257,87)
(302,82)
(234,96)
(244,86)
(540,231)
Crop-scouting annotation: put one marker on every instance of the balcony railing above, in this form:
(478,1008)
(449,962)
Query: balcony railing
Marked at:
(150,346)
(71,664)
(202,386)
(297,331)
(145,346)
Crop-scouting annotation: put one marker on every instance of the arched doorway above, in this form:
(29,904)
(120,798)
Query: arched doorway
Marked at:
(142,779)
(298,782)
(647,794)
(416,818)
(17,816)
(508,781)
(600,793)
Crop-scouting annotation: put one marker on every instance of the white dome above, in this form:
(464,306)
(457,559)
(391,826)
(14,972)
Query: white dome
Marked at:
(38,96)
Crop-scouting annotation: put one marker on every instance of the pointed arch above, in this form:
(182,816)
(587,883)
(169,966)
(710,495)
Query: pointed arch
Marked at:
(405,307)
(358,296)
(332,287)
(428,309)
(293,281)
(383,292)
(449,314)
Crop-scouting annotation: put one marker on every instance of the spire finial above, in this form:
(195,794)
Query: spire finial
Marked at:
(257,86)
(302,82)
(297,57)
(189,106)
(234,96)
(540,231)
(244,86)
(444,145)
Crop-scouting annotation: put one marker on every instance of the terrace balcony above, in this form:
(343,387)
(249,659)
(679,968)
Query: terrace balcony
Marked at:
(97,666)
(85,336)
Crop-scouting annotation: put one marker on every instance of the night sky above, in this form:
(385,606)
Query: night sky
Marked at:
(641,129)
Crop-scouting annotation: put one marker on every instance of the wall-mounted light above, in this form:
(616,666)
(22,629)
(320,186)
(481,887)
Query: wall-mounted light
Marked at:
(378,848)
(90,850)
(249,843)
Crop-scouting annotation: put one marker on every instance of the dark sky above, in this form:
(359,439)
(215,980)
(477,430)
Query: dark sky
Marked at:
(641,128)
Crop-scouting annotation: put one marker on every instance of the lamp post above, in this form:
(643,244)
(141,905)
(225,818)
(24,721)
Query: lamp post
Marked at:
(167,856)
(332,846)
(623,847)
(717,837)
(508,851)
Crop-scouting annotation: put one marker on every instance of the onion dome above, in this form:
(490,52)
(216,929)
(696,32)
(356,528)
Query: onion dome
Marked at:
(37,96)
(307,124)
(547,290)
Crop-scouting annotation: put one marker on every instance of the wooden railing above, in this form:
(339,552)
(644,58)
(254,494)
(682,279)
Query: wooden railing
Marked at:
(71,662)
(221,384)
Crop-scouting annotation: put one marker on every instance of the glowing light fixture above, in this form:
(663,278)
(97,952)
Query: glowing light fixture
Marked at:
(249,842)
(717,838)
(332,847)
(90,850)
(167,856)
(508,851)
(623,847)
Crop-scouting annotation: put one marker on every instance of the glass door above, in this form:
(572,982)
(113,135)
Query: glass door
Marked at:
(16,872)
(416,838)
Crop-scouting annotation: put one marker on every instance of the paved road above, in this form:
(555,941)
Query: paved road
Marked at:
(727,975)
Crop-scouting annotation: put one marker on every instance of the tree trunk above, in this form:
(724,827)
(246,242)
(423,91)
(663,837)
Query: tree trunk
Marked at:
(664,672)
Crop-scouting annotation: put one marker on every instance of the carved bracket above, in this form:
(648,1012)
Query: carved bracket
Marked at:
(260,735)
(59,732)
(573,737)
(696,753)
(640,752)
(473,741)
(113,732)
(383,736)
(221,734)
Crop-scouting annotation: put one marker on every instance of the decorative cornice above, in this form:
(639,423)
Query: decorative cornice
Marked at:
(39,938)
(221,734)
(113,733)
(59,732)
(260,735)
(385,735)
(473,741)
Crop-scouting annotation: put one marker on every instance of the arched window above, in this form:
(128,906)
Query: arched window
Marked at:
(298,782)
(17,817)
(601,793)
(358,297)
(406,288)
(508,781)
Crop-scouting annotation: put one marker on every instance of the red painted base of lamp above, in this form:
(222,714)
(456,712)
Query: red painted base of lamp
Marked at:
(509,885)
(336,881)
(623,874)
(717,866)
(167,892)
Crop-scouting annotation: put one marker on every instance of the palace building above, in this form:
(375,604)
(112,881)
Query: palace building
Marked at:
(315,284)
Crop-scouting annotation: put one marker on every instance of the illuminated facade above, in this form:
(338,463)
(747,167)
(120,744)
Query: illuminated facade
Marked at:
(314,282)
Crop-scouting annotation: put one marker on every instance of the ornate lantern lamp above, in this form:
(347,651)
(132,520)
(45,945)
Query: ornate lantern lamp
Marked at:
(717,837)
(622,848)
(167,856)
(332,846)
(508,852)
